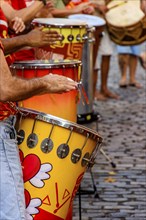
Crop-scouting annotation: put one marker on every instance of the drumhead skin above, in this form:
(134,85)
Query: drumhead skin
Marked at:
(89,19)
(124,14)
(59,22)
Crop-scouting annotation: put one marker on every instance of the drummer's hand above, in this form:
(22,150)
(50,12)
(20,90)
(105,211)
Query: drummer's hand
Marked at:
(17,25)
(59,83)
(89,10)
(37,37)
(102,8)
(81,7)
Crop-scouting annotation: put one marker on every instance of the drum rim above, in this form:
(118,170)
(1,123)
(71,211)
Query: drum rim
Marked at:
(78,24)
(39,64)
(24,112)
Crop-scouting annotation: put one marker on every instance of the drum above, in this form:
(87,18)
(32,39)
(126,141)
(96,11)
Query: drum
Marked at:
(62,105)
(90,51)
(73,36)
(126,22)
(55,154)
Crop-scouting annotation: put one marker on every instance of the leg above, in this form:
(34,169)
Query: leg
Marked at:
(133,68)
(123,60)
(11,182)
(105,65)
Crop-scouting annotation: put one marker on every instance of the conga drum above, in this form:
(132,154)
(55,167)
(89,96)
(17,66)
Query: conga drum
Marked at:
(54,154)
(61,105)
(126,22)
(73,37)
(95,29)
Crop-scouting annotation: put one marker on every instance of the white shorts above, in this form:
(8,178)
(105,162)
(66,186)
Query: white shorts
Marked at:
(106,48)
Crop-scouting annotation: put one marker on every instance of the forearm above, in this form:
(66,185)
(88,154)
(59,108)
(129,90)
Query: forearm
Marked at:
(64,12)
(12,45)
(27,14)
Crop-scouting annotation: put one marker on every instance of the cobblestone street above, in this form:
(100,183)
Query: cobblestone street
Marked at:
(121,191)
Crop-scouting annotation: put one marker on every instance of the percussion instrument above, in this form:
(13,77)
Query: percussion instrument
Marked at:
(95,28)
(54,154)
(126,22)
(62,105)
(73,36)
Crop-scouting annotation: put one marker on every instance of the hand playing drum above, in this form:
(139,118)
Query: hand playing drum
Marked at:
(40,38)
(59,84)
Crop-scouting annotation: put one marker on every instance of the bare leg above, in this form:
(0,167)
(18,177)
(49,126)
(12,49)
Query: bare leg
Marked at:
(133,68)
(123,61)
(105,64)
(96,93)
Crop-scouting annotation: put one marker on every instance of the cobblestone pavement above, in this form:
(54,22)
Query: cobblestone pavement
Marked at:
(121,191)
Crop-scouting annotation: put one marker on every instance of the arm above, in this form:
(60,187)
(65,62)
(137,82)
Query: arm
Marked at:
(15,89)
(69,11)
(34,38)
(27,14)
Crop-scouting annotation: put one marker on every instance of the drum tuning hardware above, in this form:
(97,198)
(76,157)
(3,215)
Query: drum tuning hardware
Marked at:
(78,37)
(47,145)
(85,37)
(76,155)
(63,151)
(86,160)
(70,38)
(32,140)
(20,136)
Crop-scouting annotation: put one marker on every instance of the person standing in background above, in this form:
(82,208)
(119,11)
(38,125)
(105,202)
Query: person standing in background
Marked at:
(128,59)
(105,52)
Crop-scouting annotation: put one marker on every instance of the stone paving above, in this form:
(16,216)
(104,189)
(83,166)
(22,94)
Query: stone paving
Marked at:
(121,191)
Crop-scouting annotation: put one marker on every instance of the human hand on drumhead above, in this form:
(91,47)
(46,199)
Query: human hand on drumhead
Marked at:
(102,8)
(59,84)
(90,10)
(37,37)
(17,25)
(81,7)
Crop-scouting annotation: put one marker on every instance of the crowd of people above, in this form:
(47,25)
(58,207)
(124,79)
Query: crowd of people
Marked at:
(17,42)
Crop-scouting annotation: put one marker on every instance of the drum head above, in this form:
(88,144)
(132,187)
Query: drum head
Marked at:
(89,19)
(59,22)
(124,13)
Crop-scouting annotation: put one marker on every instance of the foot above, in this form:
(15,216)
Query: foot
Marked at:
(99,96)
(135,84)
(123,84)
(111,95)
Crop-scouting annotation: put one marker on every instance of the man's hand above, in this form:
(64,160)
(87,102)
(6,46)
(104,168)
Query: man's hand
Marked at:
(17,25)
(39,38)
(59,83)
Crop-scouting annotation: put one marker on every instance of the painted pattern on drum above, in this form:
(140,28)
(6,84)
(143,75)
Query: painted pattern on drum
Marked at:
(51,182)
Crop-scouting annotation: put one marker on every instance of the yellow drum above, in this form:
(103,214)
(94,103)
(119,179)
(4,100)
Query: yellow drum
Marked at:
(61,105)
(54,154)
(73,36)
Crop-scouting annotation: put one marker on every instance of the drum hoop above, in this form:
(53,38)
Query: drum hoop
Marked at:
(60,25)
(38,65)
(60,122)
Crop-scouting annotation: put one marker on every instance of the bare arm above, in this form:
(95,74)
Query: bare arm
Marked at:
(27,14)
(63,12)
(34,38)
(15,89)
